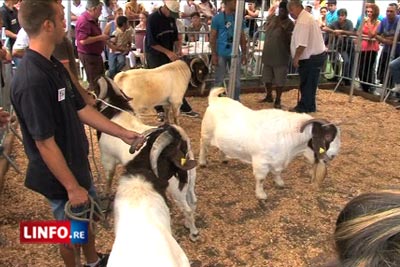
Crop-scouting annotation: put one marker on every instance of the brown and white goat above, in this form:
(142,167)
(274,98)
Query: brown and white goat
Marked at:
(114,151)
(268,139)
(143,235)
(165,85)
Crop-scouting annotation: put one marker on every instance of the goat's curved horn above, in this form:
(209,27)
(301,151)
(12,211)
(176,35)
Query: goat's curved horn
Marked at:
(182,132)
(162,141)
(197,59)
(103,87)
(134,145)
(304,125)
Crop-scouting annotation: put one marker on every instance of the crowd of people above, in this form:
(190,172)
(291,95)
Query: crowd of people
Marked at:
(106,49)
(377,33)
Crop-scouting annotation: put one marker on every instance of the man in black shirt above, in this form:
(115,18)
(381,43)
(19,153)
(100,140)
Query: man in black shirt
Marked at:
(10,21)
(51,113)
(161,39)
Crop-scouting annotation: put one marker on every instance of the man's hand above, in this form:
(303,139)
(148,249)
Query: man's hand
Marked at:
(172,56)
(77,196)
(130,137)
(296,62)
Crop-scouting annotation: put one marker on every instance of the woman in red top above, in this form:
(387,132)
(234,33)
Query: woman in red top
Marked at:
(369,47)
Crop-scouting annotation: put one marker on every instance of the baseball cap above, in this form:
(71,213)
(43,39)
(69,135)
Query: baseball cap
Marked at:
(333,2)
(173,7)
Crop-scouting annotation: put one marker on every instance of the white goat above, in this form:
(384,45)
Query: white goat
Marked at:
(165,85)
(268,139)
(143,235)
(114,151)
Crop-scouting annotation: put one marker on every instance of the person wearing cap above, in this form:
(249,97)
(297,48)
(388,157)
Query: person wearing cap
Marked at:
(332,15)
(221,38)
(308,53)
(164,45)
(91,41)
(276,52)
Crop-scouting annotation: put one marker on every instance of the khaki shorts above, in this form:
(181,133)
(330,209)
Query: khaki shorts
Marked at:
(275,74)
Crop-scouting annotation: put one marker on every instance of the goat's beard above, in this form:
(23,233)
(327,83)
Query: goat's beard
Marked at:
(318,173)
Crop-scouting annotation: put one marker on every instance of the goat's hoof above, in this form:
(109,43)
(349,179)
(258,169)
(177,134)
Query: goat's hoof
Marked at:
(279,184)
(202,165)
(225,161)
(261,195)
(194,237)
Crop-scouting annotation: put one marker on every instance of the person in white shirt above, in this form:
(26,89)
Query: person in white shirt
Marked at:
(21,43)
(77,8)
(308,53)
(316,11)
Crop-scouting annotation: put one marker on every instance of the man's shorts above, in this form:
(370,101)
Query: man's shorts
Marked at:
(57,205)
(275,75)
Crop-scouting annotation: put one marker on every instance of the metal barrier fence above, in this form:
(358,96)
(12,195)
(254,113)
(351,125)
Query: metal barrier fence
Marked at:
(368,70)
(5,103)
(371,68)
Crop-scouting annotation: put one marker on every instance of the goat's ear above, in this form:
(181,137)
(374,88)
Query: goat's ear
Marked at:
(318,140)
(330,132)
(184,164)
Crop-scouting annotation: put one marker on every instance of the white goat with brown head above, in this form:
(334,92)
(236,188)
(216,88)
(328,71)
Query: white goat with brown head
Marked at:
(268,139)
(143,235)
(114,152)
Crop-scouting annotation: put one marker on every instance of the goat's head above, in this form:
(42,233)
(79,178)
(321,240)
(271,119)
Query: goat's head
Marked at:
(199,69)
(113,95)
(168,154)
(325,143)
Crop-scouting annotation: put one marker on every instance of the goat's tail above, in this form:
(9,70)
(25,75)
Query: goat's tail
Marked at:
(215,92)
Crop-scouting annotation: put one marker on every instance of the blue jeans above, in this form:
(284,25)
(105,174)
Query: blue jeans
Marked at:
(223,67)
(116,63)
(57,205)
(394,66)
(309,71)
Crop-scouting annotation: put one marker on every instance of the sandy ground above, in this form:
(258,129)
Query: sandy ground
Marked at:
(293,227)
